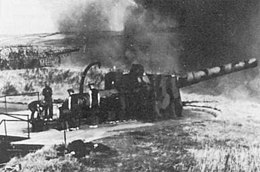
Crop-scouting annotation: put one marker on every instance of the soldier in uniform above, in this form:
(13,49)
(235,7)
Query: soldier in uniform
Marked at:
(64,115)
(134,92)
(47,93)
(36,106)
(68,117)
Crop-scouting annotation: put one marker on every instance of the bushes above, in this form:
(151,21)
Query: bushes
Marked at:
(9,89)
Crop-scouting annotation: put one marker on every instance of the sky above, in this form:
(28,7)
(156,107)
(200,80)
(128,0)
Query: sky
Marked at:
(29,16)
(41,16)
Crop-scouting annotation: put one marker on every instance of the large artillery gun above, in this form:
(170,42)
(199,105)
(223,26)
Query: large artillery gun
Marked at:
(142,96)
(136,94)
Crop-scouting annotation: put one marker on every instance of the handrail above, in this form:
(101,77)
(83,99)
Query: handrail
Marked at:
(2,121)
(17,119)
(17,103)
(30,93)
(21,94)
(14,116)
(2,113)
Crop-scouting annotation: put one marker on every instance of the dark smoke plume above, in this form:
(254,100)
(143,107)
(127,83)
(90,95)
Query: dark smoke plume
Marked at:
(149,40)
(211,33)
(136,41)
(190,35)
(203,33)
(97,27)
(170,35)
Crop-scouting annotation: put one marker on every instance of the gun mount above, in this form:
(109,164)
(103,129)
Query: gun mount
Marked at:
(137,95)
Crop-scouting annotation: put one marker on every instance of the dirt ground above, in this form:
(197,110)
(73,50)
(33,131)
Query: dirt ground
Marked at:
(55,137)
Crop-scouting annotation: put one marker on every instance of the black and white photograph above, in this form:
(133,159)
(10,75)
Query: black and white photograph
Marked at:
(129,85)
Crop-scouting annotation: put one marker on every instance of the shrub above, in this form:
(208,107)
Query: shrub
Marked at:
(9,89)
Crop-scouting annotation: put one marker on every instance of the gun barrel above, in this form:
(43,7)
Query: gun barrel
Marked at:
(194,77)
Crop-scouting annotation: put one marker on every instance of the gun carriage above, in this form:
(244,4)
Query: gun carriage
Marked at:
(139,95)
(143,96)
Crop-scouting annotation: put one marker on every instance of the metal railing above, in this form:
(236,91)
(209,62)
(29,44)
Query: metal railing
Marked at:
(12,95)
(16,118)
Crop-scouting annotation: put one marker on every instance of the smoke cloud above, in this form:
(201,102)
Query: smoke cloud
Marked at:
(213,33)
(169,36)
(149,40)
(98,26)
(92,15)
(121,33)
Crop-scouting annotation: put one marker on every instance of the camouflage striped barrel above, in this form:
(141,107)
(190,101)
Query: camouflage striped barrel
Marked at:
(209,73)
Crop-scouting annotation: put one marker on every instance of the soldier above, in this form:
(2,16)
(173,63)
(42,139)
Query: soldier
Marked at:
(47,93)
(36,106)
(64,115)
(135,91)
(68,116)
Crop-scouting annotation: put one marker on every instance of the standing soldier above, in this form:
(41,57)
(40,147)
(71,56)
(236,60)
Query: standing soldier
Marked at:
(47,93)
(69,118)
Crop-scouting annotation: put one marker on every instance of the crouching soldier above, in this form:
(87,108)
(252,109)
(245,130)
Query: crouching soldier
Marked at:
(38,122)
(36,106)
